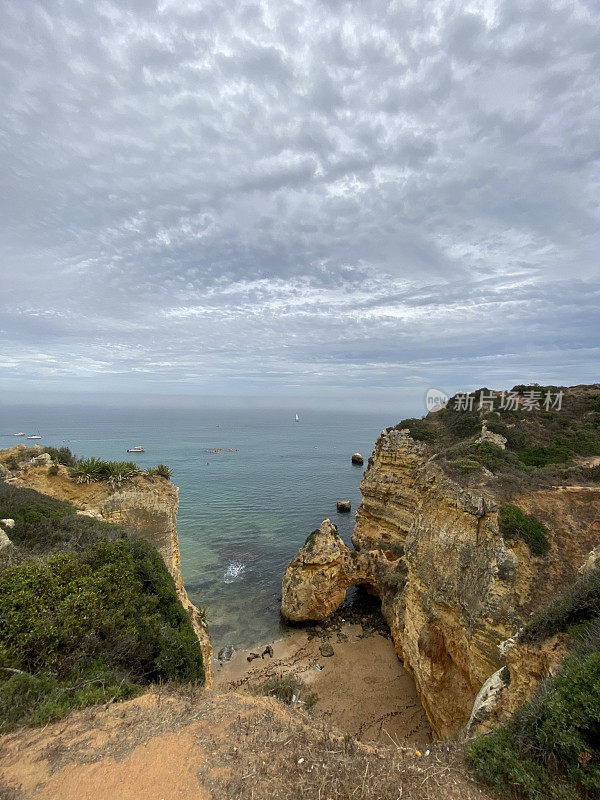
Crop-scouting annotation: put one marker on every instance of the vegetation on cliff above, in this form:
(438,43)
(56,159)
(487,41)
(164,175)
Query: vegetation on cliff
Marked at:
(543,445)
(550,748)
(514,524)
(89,613)
(83,470)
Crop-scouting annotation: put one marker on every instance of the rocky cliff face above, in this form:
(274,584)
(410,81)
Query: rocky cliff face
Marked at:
(459,590)
(146,506)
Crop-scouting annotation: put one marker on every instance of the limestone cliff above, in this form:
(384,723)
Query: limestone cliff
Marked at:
(144,505)
(459,590)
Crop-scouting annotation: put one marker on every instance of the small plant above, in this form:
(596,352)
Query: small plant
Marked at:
(53,470)
(514,524)
(394,580)
(289,689)
(466,465)
(87,470)
(161,470)
(119,472)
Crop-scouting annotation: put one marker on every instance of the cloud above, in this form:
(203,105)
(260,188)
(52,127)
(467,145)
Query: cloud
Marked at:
(326,192)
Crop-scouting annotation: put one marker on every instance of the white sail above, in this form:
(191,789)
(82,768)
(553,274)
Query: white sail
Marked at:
(297,418)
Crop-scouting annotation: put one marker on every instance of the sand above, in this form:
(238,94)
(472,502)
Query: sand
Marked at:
(363,689)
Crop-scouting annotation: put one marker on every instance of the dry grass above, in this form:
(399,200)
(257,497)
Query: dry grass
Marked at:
(282,757)
(242,747)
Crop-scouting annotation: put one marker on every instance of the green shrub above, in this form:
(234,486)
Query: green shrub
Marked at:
(285,688)
(460,424)
(61,455)
(394,580)
(466,465)
(87,470)
(551,746)
(539,456)
(514,524)
(162,470)
(420,429)
(578,604)
(90,470)
(94,616)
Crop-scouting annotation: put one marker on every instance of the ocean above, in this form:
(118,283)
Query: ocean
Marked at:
(244,510)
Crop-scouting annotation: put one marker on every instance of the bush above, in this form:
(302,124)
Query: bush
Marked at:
(514,524)
(94,616)
(285,688)
(61,455)
(419,429)
(539,456)
(578,604)
(89,470)
(551,746)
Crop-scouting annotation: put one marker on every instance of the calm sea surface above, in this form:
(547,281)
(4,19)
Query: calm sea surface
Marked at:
(245,510)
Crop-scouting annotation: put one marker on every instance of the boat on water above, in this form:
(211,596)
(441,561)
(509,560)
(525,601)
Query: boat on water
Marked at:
(35,436)
(20,433)
(138,449)
(296,418)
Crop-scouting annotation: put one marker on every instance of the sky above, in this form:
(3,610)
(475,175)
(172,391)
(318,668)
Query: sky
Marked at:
(336,203)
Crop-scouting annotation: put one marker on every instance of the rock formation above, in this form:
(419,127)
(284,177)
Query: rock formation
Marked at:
(357,459)
(452,589)
(344,506)
(317,578)
(144,505)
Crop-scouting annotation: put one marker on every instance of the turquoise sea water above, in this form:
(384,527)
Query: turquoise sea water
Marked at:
(243,515)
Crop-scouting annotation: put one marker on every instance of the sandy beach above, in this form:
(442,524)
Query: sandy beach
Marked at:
(362,689)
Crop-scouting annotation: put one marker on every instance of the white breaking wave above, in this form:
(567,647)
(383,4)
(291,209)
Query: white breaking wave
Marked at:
(233,571)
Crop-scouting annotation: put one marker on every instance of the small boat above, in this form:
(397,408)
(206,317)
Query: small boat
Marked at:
(35,436)
(138,449)
(296,418)
(20,433)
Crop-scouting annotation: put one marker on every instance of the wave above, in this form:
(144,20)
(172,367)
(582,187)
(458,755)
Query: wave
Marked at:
(234,571)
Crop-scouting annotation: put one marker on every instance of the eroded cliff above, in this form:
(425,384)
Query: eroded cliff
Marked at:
(459,589)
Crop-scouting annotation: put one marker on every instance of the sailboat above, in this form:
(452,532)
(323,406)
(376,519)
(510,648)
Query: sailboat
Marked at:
(296,418)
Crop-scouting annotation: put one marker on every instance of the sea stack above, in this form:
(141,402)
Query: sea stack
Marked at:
(343,506)
(357,459)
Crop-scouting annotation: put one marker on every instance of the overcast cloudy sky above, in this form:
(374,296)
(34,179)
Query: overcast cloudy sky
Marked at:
(315,200)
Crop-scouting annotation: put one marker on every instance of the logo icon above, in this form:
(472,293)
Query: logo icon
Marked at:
(435,399)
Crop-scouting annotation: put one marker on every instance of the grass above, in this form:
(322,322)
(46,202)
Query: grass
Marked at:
(89,613)
(514,524)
